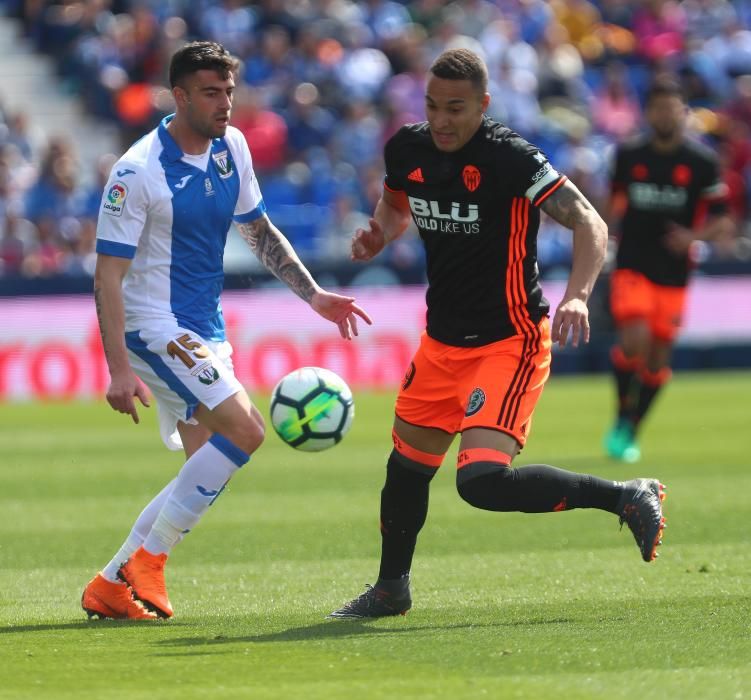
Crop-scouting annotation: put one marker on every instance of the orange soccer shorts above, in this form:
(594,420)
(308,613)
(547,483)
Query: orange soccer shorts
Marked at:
(494,386)
(634,297)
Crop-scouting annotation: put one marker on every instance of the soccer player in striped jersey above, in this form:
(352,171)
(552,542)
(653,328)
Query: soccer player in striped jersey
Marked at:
(474,189)
(164,219)
(666,194)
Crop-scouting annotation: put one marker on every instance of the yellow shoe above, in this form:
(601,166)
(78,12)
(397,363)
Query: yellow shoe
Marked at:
(102,598)
(144,573)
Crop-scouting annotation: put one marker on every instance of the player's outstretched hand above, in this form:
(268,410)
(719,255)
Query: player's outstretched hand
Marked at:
(367,243)
(122,391)
(340,310)
(571,316)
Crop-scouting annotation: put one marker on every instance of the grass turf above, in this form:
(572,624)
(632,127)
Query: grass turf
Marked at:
(505,605)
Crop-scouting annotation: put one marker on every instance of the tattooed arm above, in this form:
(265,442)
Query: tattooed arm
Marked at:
(278,257)
(570,208)
(108,297)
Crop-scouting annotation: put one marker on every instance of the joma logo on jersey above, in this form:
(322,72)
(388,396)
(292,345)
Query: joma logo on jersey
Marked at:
(647,195)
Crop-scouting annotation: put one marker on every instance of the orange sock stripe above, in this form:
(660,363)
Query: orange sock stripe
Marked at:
(621,361)
(657,378)
(482,454)
(426,458)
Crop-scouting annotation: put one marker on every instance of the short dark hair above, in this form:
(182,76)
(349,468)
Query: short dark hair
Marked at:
(201,55)
(664,86)
(461,64)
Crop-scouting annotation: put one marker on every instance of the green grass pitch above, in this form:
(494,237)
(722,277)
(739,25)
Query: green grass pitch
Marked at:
(505,606)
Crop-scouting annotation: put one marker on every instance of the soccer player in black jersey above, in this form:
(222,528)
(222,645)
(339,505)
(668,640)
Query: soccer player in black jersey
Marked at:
(667,192)
(474,189)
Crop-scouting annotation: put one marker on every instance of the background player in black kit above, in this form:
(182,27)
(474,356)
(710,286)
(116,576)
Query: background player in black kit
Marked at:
(473,188)
(667,192)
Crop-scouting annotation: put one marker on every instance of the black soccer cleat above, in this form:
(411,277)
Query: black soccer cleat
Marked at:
(640,508)
(375,602)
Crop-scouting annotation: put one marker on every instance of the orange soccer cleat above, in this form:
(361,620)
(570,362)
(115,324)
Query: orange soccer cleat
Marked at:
(102,598)
(144,573)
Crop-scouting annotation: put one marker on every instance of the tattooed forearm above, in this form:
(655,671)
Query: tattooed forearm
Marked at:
(99,315)
(277,256)
(569,207)
(109,353)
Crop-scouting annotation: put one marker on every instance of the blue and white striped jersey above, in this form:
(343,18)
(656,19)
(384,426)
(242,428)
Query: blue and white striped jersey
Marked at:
(170,212)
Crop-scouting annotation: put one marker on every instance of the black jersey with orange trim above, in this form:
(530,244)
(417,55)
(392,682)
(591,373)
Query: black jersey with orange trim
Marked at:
(662,188)
(476,212)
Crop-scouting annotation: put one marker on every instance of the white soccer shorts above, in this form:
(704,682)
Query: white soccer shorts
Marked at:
(182,370)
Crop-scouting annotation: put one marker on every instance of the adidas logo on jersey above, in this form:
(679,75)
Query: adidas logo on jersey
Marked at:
(416,175)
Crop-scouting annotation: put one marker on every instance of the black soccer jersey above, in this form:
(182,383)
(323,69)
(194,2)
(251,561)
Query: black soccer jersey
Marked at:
(476,212)
(661,188)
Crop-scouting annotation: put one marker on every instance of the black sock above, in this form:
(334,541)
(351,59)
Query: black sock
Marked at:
(537,488)
(404,508)
(626,382)
(645,397)
(396,587)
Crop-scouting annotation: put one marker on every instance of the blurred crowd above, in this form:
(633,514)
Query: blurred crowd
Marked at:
(326,82)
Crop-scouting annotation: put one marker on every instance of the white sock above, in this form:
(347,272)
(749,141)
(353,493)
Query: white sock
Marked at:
(196,487)
(138,533)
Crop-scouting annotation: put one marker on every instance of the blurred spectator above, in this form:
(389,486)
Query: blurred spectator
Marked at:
(615,107)
(708,18)
(326,82)
(515,99)
(385,19)
(45,256)
(54,194)
(618,13)
(562,92)
(404,93)
(231,23)
(264,129)
(357,139)
(533,19)
(363,69)
(659,27)
(731,49)
(18,135)
(426,13)
(581,20)
(12,248)
(269,67)
(471,17)
(505,48)
(308,123)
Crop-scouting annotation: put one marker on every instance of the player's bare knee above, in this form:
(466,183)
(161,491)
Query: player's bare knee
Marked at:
(247,434)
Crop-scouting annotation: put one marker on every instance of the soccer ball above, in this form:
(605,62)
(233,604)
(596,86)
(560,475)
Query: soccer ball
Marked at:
(312,409)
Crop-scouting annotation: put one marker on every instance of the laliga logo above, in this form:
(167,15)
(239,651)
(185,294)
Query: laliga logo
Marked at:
(116,193)
(115,198)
